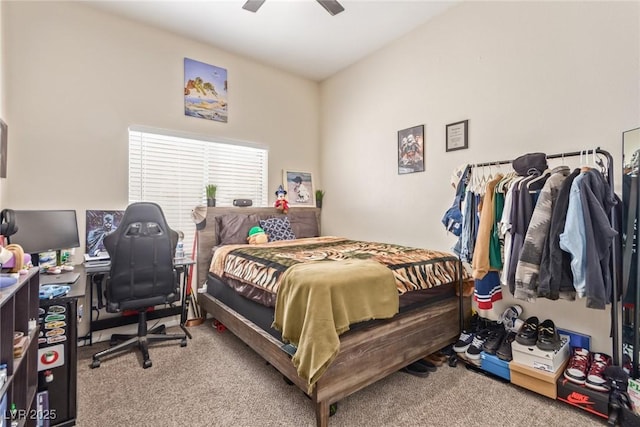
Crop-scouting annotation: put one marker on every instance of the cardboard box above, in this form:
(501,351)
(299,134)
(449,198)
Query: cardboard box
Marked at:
(633,391)
(584,398)
(537,380)
(493,364)
(576,339)
(532,356)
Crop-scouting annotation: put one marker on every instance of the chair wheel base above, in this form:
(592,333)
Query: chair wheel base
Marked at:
(183,342)
(147,364)
(95,364)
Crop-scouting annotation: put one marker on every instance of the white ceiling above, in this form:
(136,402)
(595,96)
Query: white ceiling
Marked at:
(295,35)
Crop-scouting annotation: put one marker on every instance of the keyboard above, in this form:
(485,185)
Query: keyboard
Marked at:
(66,278)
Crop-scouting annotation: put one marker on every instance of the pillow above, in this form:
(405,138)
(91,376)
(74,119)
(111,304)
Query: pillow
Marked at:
(277,228)
(233,229)
(304,223)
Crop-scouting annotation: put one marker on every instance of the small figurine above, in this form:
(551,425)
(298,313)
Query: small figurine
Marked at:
(282,203)
(257,236)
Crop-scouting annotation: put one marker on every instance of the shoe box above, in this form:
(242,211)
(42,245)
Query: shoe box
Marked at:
(576,339)
(532,356)
(595,402)
(495,365)
(536,380)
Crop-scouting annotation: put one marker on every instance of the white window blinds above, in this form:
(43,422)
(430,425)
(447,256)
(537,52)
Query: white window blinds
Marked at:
(173,172)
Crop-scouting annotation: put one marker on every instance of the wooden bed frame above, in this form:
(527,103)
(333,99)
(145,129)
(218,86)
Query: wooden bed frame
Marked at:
(366,354)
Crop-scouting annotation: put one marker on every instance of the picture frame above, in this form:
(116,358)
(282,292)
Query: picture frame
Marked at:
(205,91)
(411,150)
(100,223)
(4,129)
(457,136)
(299,187)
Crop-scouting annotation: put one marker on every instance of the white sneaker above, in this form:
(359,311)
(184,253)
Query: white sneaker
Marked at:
(509,317)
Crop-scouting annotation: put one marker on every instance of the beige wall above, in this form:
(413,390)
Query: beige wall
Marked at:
(529,76)
(78,78)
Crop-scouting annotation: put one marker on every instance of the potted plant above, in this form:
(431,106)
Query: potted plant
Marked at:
(211,194)
(319,196)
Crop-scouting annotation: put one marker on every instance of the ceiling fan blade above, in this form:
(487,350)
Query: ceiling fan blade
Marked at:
(253,5)
(332,6)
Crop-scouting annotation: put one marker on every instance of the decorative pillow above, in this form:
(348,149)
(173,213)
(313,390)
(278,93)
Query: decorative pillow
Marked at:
(304,223)
(233,229)
(277,229)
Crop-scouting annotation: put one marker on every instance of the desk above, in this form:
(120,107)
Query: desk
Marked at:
(101,272)
(57,353)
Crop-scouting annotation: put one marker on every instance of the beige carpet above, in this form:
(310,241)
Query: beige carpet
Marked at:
(218,381)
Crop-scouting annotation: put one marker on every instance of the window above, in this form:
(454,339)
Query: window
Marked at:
(173,171)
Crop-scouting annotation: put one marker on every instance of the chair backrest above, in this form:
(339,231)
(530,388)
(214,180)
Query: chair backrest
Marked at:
(141,250)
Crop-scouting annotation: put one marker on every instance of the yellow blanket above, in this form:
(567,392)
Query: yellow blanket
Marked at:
(317,301)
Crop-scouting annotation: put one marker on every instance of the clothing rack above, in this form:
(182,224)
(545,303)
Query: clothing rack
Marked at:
(614,251)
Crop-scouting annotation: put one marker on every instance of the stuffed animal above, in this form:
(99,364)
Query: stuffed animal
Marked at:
(257,236)
(282,203)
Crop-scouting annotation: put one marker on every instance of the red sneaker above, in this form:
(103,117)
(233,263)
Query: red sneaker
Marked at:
(578,366)
(595,378)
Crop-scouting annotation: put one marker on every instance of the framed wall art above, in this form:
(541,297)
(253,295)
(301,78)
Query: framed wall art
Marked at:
(100,224)
(205,91)
(457,136)
(411,150)
(299,187)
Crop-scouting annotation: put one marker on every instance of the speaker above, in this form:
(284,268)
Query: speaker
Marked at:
(242,202)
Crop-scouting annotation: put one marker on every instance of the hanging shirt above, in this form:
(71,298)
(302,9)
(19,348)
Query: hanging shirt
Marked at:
(521,212)
(481,252)
(505,227)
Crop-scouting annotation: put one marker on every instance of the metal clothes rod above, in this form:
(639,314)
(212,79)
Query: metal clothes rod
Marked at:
(550,156)
(614,250)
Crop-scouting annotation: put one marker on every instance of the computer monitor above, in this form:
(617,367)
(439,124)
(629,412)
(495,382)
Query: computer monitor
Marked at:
(46,230)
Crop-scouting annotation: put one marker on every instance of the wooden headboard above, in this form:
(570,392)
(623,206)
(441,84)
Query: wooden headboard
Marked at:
(208,236)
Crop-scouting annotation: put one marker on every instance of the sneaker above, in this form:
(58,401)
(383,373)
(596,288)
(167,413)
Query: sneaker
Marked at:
(548,336)
(494,340)
(504,351)
(474,350)
(596,379)
(463,343)
(578,366)
(509,316)
(528,333)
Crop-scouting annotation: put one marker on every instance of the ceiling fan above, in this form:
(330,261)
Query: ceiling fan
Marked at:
(332,6)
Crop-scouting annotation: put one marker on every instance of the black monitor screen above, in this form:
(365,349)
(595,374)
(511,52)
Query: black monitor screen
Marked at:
(46,230)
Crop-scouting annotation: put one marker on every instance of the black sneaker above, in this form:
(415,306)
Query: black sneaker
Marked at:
(463,343)
(548,337)
(474,350)
(494,340)
(504,351)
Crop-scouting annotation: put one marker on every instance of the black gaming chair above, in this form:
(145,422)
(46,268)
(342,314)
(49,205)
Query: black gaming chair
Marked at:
(142,275)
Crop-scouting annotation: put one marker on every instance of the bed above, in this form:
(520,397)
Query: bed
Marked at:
(429,316)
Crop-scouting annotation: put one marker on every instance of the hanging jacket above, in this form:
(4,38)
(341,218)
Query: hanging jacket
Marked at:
(528,268)
(597,202)
(556,280)
(573,239)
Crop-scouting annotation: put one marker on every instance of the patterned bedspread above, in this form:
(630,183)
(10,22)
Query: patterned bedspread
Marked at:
(263,265)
